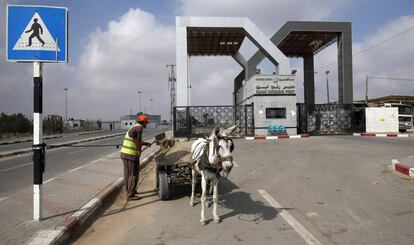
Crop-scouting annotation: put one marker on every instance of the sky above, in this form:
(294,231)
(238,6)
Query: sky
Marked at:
(117,48)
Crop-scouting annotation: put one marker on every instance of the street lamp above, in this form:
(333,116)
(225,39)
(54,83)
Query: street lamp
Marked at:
(139,94)
(152,109)
(66,104)
(327,85)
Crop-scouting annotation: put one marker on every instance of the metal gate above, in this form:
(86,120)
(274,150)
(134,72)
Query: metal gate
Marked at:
(198,121)
(325,119)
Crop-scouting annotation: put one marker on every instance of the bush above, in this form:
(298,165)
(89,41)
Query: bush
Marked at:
(15,123)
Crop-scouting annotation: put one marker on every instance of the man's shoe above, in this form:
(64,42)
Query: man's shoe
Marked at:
(133,198)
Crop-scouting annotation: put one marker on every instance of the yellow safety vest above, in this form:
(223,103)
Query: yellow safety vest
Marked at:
(128,146)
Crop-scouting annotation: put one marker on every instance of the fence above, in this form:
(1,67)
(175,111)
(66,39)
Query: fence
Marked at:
(325,119)
(196,121)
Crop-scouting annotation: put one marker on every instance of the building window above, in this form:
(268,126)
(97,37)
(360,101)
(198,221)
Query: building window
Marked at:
(276,113)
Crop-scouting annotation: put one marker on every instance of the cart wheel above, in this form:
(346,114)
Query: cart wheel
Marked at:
(163,185)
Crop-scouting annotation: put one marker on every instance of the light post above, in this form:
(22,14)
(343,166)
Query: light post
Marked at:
(66,104)
(327,85)
(139,94)
(152,109)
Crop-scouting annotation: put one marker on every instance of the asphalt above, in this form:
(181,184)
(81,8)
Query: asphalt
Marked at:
(17,173)
(337,188)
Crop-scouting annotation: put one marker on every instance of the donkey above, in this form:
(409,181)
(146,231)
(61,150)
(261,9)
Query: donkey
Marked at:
(209,157)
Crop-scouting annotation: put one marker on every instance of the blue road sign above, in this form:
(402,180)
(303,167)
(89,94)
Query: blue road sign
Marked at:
(37,33)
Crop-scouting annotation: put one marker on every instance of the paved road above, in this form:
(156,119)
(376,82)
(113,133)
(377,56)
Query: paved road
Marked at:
(64,138)
(17,173)
(321,190)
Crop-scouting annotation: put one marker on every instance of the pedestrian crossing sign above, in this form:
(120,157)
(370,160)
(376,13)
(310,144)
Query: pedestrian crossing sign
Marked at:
(37,33)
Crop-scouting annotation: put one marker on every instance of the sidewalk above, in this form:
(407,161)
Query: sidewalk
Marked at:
(62,196)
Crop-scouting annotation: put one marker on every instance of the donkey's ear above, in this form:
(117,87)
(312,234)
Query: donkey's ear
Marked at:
(230,130)
(216,131)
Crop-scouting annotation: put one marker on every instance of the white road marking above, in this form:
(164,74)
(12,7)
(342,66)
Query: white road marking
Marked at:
(19,166)
(235,164)
(305,234)
(73,170)
(49,180)
(94,161)
(3,198)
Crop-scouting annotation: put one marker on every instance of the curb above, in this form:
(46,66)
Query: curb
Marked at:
(27,150)
(393,135)
(93,132)
(397,166)
(28,140)
(264,137)
(73,223)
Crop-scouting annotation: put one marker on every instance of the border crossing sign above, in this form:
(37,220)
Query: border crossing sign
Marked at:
(37,33)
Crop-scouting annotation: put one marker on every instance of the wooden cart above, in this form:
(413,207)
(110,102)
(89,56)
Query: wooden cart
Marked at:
(173,168)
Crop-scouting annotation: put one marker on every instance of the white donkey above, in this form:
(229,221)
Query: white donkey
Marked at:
(211,156)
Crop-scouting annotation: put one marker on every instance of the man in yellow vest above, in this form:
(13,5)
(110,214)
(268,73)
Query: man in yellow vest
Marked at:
(130,153)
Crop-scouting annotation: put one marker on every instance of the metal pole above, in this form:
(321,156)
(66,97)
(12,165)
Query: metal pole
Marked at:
(38,147)
(139,95)
(152,109)
(66,104)
(171,86)
(366,89)
(327,85)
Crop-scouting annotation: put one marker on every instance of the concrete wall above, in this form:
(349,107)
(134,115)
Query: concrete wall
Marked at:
(381,119)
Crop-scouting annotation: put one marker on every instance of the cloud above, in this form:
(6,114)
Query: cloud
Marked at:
(131,52)
(268,15)
(128,56)
(393,59)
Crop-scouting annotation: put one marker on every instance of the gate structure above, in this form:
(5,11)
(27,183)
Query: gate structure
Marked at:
(198,121)
(330,119)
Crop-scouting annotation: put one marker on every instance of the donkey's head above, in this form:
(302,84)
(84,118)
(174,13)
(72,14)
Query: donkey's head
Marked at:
(224,146)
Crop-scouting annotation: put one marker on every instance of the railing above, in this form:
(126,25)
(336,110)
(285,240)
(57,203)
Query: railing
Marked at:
(325,119)
(198,121)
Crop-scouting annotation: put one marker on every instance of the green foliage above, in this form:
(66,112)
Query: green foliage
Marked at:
(14,123)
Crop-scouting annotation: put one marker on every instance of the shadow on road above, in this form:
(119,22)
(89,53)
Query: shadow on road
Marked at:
(239,202)
(245,208)
(243,205)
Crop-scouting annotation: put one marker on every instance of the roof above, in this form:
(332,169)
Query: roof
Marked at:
(214,40)
(403,99)
(302,43)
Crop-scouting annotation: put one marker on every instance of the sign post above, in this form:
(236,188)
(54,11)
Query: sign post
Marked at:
(37,34)
(38,147)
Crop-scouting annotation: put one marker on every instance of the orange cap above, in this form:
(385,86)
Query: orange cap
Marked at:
(143,118)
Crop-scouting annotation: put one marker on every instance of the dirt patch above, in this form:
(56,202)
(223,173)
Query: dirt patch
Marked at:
(115,224)
(180,152)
